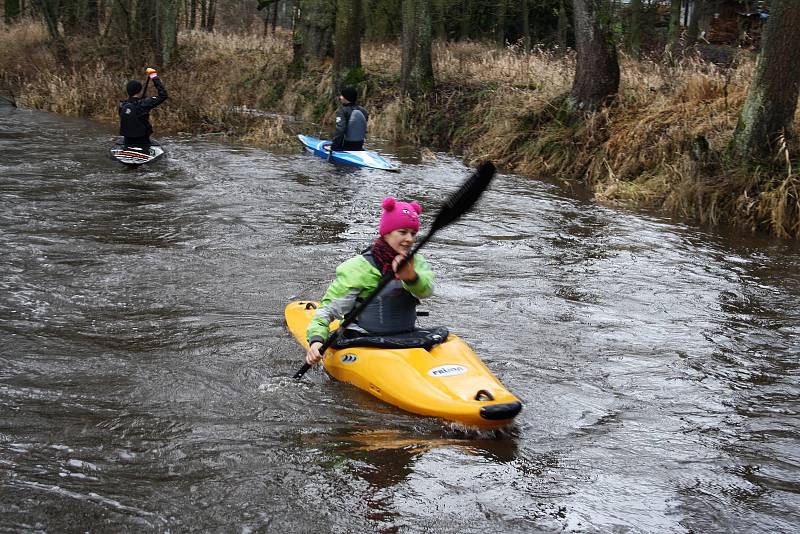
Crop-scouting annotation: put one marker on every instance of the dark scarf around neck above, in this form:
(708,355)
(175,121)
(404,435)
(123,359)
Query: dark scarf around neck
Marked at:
(384,254)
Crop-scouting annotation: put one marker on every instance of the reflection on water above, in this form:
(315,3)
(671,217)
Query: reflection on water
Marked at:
(144,361)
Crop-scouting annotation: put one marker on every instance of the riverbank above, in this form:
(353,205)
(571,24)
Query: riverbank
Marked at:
(662,146)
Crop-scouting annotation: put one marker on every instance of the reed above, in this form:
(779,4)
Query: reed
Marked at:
(663,144)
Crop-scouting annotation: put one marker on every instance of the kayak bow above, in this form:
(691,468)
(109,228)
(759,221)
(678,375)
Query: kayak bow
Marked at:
(353,158)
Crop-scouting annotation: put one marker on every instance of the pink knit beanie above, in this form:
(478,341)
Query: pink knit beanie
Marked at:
(397,214)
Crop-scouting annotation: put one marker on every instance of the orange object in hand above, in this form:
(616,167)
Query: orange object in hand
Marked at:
(151,72)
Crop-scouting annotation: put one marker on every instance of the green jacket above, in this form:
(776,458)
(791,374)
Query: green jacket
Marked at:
(355,278)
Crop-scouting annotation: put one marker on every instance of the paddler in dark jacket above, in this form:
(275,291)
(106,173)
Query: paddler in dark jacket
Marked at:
(351,122)
(394,309)
(134,113)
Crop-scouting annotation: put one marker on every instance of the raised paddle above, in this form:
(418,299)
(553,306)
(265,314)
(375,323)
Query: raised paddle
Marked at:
(454,207)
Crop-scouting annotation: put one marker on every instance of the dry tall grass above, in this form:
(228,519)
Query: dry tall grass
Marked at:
(663,144)
(216,73)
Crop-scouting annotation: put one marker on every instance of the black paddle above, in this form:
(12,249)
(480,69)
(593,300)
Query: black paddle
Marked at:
(454,207)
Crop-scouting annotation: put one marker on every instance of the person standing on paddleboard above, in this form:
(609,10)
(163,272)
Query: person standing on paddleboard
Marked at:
(394,309)
(351,122)
(134,113)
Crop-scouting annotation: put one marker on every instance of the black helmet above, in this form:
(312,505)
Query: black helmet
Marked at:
(350,94)
(133,87)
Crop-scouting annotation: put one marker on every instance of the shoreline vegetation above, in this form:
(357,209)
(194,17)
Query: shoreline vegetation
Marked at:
(663,145)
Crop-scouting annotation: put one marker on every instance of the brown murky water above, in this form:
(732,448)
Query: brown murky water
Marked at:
(144,360)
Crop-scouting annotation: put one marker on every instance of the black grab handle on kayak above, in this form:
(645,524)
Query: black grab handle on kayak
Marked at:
(484,395)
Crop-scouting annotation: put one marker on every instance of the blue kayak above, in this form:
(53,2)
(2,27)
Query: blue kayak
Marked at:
(356,158)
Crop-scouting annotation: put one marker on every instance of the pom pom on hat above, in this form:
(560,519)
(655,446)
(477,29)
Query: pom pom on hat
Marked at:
(397,214)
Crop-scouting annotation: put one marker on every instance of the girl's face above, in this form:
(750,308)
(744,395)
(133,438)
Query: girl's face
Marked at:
(401,240)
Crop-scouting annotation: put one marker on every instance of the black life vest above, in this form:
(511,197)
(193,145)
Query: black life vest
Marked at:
(392,311)
(133,121)
(356,125)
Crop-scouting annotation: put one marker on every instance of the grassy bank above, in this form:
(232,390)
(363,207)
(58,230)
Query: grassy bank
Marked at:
(662,146)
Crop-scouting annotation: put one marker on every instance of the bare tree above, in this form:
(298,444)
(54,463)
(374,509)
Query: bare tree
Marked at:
(563,25)
(500,30)
(193,14)
(212,15)
(12,10)
(635,28)
(79,17)
(526,24)
(313,36)
(674,32)
(347,56)
(772,98)
(51,13)
(597,67)
(701,10)
(416,69)
(168,31)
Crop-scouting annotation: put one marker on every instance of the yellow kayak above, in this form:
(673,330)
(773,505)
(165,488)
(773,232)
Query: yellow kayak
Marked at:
(448,381)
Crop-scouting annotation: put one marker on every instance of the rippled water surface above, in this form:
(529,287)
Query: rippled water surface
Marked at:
(144,359)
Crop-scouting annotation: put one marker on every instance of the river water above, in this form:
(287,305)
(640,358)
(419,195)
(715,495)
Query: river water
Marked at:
(144,361)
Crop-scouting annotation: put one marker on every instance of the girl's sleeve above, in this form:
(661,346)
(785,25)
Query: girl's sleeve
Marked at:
(352,278)
(423,287)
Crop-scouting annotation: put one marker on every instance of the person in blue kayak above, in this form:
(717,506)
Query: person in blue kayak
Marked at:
(134,113)
(351,122)
(394,309)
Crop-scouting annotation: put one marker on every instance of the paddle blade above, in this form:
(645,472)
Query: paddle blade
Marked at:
(300,372)
(465,197)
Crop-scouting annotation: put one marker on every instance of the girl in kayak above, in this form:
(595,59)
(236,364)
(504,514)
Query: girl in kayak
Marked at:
(392,311)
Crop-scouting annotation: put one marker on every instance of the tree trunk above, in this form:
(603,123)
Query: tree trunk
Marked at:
(144,47)
(169,31)
(597,68)
(93,17)
(772,98)
(563,25)
(80,17)
(686,5)
(118,30)
(635,30)
(699,9)
(526,25)
(193,14)
(416,69)
(50,11)
(274,16)
(212,15)
(674,32)
(70,16)
(500,32)
(12,11)
(347,55)
(313,37)
(464,21)
(440,28)
(203,14)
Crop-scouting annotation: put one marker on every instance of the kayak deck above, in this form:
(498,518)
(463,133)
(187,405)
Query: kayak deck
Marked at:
(449,381)
(135,156)
(356,158)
